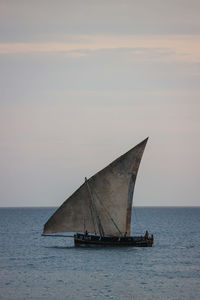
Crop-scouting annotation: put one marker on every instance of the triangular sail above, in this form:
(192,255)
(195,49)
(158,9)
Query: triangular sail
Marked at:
(104,202)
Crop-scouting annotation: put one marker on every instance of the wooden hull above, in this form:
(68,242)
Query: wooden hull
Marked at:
(95,240)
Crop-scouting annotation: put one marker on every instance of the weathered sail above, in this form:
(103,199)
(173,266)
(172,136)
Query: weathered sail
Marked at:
(103,204)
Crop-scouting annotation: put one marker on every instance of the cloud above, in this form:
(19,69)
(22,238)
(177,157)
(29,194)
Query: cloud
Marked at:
(176,48)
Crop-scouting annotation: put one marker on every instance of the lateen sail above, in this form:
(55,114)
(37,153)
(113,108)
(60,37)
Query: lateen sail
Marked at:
(103,204)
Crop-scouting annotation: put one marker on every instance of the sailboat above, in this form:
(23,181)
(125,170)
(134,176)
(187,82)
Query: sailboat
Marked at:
(99,211)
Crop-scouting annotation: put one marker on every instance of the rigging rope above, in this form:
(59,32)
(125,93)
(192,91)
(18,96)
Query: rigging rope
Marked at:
(101,230)
(109,215)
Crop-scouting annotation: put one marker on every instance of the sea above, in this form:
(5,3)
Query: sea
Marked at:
(36,267)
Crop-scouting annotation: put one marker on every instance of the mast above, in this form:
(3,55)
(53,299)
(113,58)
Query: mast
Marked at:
(109,215)
(91,207)
(100,227)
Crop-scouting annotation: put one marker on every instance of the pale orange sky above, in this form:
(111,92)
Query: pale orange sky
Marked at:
(84,81)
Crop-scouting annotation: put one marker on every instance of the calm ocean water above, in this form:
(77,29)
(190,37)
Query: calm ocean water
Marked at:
(35,267)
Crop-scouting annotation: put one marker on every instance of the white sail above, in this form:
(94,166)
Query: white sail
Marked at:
(103,204)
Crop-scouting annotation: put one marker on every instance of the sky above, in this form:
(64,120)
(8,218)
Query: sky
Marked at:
(82,82)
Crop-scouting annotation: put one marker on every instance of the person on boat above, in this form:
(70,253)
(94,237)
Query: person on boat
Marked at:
(125,234)
(86,233)
(146,235)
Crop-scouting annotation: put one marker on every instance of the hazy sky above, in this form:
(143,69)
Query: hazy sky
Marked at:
(82,82)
